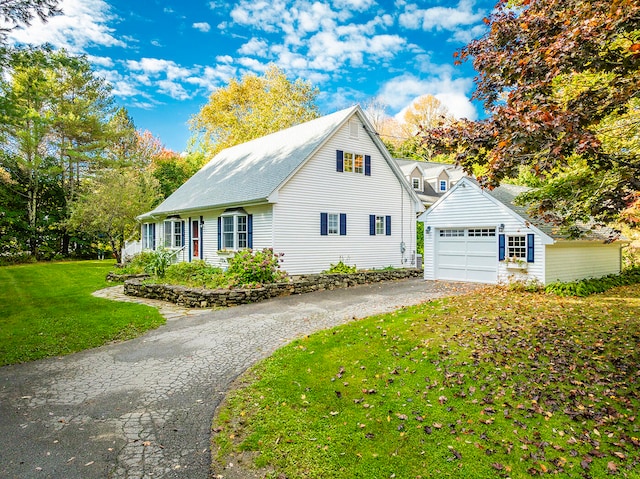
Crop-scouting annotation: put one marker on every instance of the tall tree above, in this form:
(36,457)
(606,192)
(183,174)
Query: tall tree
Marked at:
(122,141)
(25,123)
(110,202)
(53,114)
(552,73)
(81,106)
(425,112)
(253,107)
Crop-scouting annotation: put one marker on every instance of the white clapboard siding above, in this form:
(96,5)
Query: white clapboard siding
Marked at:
(572,260)
(262,232)
(469,207)
(317,187)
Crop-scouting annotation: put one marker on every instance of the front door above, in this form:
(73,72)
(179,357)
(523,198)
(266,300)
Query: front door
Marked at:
(195,239)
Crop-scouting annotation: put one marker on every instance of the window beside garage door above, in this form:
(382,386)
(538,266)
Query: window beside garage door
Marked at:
(517,246)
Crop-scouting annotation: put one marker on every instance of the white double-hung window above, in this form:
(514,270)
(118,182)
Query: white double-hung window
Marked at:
(173,233)
(235,231)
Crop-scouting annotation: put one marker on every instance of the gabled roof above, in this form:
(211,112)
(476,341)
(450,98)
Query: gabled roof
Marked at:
(251,172)
(430,170)
(505,195)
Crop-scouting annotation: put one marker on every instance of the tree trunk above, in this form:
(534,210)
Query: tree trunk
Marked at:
(117,252)
(32,211)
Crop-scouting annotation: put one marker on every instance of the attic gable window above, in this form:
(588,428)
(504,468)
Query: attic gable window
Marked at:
(354,129)
(350,162)
(442,185)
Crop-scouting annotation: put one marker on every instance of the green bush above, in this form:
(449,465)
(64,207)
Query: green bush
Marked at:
(249,267)
(341,268)
(159,262)
(17,258)
(589,286)
(150,262)
(197,273)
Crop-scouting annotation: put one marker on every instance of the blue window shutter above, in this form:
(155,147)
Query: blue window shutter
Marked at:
(250,231)
(324,224)
(530,247)
(367,165)
(372,225)
(343,224)
(153,236)
(501,248)
(339,161)
(200,238)
(190,239)
(387,225)
(219,233)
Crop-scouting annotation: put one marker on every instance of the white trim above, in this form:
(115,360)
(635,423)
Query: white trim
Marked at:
(466,183)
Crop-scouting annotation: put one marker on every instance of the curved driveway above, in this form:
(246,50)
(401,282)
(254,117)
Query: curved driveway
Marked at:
(143,408)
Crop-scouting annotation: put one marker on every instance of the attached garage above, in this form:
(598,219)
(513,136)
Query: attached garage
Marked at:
(466,254)
(477,235)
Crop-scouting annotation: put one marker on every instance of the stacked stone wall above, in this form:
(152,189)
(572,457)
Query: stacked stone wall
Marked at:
(207,298)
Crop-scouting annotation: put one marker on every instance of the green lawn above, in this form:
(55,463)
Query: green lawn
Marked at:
(46,309)
(492,384)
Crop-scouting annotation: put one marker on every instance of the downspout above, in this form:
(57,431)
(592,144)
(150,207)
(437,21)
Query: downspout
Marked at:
(403,246)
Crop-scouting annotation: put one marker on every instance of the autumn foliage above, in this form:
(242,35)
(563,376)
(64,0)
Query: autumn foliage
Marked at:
(551,74)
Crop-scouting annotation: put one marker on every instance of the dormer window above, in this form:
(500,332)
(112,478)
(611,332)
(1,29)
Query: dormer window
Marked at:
(416,183)
(442,185)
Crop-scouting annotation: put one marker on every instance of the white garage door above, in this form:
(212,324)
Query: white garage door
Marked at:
(467,254)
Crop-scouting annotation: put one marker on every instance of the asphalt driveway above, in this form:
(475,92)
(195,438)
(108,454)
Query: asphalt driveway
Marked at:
(143,408)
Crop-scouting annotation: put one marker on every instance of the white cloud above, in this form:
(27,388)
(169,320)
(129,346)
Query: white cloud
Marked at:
(317,36)
(401,91)
(100,61)
(122,86)
(156,66)
(204,27)
(252,64)
(358,5)
(255,47)
(164,75)
(439,18)
(465,36)
(212,77)
(85,23)
(261,14)
(173,89)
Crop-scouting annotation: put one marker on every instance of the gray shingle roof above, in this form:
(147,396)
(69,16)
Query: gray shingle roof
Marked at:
(506,194)
(250,172)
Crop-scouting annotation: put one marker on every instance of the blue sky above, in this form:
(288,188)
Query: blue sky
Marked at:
(165,58)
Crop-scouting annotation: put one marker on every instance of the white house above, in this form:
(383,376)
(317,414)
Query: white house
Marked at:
(429,179)
(480,235)
(320,192)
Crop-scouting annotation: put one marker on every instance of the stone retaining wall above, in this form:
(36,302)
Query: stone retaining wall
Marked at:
(118,278)
(207,298)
